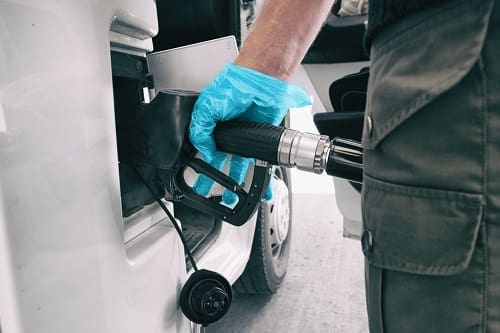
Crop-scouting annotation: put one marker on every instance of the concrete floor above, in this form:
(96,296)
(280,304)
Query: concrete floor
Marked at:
(323,291)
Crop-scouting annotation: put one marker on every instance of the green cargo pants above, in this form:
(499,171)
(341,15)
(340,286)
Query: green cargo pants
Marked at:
(431,191)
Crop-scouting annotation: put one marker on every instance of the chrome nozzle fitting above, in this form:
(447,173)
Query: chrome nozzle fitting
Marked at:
(305,151)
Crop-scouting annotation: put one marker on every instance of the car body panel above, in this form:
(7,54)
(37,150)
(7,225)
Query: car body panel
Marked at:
(68,267)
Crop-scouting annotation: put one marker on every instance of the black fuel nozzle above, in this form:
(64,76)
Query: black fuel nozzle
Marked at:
(290,148)
(345,159)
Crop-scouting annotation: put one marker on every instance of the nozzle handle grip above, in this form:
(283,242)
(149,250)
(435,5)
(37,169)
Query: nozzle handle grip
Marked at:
(249,139)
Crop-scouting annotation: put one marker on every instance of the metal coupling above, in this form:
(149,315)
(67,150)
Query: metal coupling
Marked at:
(305,151)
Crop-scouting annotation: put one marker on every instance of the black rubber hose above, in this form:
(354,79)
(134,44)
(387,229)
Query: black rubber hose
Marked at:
(249,139)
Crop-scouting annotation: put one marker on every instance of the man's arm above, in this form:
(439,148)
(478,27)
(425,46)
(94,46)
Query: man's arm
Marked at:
(280,38)
(282,35)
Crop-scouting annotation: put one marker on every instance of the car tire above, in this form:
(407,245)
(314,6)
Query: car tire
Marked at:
(268,261)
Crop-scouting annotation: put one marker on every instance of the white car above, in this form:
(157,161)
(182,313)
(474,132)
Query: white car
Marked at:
(83,248)
(337,66)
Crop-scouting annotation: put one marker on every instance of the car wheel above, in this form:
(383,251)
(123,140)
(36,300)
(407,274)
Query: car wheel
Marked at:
(268,261)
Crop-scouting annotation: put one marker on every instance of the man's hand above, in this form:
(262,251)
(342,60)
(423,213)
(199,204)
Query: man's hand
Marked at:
(242,93)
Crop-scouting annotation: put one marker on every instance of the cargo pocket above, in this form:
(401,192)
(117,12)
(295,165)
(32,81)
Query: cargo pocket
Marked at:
(419,230)
(418,59)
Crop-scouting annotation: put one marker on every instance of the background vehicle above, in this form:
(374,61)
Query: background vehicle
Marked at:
(82,247)
(337,52)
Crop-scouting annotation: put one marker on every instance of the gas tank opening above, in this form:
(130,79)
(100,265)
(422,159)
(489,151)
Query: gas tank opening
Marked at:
(134,95)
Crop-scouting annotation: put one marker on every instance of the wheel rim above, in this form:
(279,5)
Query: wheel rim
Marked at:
(277,213)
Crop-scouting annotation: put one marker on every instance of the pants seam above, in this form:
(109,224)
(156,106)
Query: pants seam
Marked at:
(381,301)
(484,314)
(484,104)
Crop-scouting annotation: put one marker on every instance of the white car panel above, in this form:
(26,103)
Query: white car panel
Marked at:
(65,265)
(347,198)
(349,204)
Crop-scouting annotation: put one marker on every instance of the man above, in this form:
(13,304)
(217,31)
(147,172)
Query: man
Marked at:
(431,191)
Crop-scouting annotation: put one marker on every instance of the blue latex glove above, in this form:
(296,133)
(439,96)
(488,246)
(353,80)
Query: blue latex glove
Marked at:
(245,94)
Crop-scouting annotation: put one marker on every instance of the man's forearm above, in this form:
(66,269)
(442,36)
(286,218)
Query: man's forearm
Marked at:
(282,35)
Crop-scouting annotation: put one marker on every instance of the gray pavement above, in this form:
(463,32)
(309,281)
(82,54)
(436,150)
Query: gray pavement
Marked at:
(323,291)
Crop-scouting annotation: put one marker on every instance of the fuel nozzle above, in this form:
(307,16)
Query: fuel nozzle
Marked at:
(290,148)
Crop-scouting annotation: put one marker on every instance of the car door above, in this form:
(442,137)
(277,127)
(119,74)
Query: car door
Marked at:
(335,62)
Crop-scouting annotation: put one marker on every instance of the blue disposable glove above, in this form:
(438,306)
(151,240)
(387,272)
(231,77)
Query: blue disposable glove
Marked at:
(245,94)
